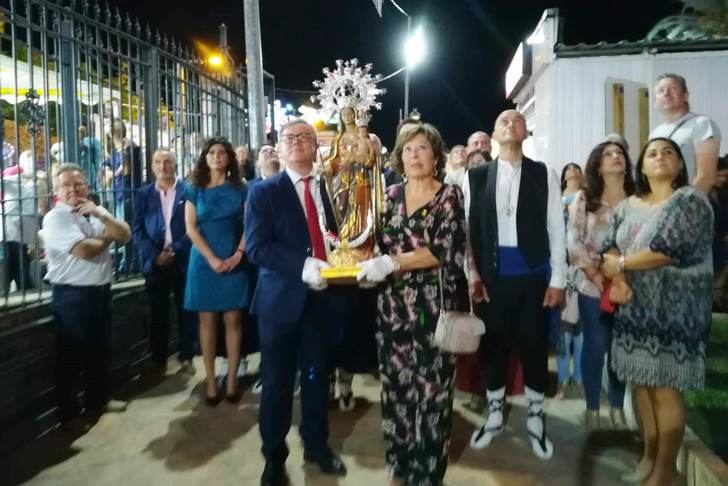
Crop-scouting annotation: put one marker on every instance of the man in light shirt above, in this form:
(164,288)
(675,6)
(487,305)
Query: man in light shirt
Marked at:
(164,249)
(697,135)
(517,236)
(77,235)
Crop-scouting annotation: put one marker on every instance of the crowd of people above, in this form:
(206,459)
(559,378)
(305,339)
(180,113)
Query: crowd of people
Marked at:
(612,264)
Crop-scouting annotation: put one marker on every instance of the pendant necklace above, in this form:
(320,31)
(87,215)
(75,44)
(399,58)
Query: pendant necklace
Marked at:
(510,209)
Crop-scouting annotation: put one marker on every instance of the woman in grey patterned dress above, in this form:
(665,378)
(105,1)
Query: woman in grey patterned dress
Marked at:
(659,259)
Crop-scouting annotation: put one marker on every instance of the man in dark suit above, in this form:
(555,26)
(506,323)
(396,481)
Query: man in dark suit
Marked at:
(164,248)
(295,314)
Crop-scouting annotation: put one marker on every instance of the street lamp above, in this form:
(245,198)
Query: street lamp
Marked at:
(415,49)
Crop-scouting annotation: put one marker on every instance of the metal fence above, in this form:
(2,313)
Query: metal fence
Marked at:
(80,83)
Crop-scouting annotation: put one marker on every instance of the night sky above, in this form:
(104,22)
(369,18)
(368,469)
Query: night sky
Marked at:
(460,85)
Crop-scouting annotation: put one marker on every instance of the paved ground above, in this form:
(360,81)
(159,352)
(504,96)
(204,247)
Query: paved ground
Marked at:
(169,437)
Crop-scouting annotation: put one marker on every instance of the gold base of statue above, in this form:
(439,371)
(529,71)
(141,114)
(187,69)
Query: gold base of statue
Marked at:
(344,269)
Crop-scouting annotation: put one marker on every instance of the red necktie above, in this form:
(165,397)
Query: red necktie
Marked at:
(317,240)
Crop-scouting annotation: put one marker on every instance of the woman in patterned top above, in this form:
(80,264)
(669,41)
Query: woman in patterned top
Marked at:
(608,174)
(423,234)
(659,259)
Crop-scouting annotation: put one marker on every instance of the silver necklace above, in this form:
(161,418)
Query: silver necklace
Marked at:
(510,208)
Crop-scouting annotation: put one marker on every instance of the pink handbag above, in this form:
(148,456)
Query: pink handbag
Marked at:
(457,332)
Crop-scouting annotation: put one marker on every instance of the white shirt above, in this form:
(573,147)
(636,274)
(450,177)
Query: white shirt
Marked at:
(694,129)
(62,230)
(313,186)
(508,185)
(456,177)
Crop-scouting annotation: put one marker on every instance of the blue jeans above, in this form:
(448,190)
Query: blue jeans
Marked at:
(568,336)
(597,343)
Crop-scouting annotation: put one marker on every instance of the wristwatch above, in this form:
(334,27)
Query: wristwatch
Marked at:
(620,263)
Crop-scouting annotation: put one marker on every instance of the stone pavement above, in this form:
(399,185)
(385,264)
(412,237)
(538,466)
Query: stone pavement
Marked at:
(169,437)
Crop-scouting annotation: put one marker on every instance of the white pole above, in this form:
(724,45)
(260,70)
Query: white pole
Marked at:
(254,57)
(407,72)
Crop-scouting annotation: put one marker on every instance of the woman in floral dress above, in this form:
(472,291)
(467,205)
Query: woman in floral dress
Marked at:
(660,262)
(423,234)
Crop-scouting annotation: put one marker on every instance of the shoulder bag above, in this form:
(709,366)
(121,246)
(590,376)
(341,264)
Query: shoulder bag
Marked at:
(457,332)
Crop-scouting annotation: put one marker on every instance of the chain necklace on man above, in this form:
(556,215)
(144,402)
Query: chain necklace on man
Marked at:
(510,206)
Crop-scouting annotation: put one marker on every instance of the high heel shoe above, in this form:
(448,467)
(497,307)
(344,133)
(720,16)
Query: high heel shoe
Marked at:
(214,400)
(233,397)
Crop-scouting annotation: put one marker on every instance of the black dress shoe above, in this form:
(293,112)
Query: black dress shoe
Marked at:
(327,461)
(273,475)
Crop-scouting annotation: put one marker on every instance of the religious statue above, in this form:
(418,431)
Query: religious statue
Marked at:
(352,171)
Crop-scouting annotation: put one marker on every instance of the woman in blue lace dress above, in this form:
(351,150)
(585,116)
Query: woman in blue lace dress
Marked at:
(659,258)
(217,282)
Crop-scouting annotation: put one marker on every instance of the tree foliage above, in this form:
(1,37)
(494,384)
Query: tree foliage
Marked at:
(712,15)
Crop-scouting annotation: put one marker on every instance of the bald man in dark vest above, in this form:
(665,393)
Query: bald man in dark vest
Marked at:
(518,266)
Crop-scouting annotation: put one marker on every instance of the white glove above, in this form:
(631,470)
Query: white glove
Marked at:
(311,274)
(376,269)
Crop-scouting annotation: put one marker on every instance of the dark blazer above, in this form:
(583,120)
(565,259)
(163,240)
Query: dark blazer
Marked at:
(277,241)
(148,227)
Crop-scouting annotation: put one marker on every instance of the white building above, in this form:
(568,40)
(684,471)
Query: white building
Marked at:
(574,95)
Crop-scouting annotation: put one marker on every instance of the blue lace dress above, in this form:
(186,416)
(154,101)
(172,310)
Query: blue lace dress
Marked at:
(659,336)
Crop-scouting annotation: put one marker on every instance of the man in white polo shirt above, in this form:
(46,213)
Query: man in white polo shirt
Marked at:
(77,235)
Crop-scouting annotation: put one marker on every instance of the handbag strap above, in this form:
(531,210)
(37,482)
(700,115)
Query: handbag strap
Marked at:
(442,294)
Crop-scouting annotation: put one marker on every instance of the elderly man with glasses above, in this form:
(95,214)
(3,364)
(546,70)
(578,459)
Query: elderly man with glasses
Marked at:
(77,235)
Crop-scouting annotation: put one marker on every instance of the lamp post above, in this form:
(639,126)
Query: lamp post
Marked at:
(414,53)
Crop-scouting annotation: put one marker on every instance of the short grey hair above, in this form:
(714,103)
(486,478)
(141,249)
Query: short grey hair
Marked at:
(297,121)
(171,153)
(70,167)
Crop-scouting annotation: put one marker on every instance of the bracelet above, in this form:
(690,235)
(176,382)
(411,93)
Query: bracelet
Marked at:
(397,266)
(240,250)
(620,263)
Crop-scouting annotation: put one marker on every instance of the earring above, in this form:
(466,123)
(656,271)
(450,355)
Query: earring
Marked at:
(434,172)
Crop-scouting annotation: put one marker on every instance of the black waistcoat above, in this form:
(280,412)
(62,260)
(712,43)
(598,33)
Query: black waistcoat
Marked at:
(533,238)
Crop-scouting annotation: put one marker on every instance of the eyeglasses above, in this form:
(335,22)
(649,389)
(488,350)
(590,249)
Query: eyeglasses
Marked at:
(72,185)
(301,137)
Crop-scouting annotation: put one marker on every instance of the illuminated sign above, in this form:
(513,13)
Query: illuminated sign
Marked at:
(519,70)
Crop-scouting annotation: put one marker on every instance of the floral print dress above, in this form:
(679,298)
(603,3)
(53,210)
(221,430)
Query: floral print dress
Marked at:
(417,377)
